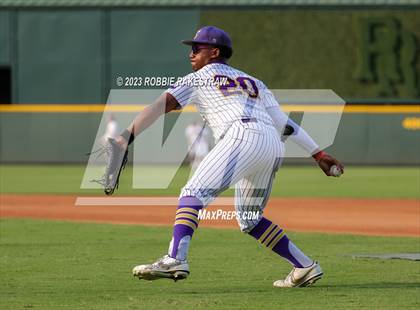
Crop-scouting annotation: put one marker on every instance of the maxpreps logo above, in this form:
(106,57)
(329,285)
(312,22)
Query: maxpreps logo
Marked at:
(387,57)
(220,214)
(163,143)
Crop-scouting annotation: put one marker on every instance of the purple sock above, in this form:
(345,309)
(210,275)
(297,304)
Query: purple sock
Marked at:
(186,221)
(274,238)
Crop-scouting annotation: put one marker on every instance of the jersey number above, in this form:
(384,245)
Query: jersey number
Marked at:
(229,86)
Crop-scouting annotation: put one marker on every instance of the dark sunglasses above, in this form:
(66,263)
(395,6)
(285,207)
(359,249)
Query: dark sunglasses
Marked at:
(197,48)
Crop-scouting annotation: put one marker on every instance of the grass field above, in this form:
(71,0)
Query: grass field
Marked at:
(63,265)
(59,265)
(301,181)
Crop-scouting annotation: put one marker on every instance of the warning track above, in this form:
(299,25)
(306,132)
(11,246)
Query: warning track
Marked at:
(384,217)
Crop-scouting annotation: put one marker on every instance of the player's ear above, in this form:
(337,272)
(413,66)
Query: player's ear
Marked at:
(216,52)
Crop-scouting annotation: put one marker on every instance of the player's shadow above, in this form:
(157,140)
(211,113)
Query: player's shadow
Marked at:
(318,286)
(379,285)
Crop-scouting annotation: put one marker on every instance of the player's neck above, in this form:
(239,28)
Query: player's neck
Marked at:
(217,61)
(214,61)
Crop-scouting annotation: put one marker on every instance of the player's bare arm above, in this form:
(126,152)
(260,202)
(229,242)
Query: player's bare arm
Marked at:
(164,104)
(117,149)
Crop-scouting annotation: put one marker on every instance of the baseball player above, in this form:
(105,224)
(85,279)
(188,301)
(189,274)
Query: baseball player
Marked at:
(245,119)
(111,130)
(198,143)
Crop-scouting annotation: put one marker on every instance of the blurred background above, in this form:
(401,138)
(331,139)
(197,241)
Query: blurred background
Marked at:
(60,59)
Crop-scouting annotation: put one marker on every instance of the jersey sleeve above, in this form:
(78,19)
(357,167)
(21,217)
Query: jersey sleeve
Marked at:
(298,134)
(184,90)
(267,97)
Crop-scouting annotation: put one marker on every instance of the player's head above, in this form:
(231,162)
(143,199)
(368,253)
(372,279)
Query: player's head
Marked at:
(210,44)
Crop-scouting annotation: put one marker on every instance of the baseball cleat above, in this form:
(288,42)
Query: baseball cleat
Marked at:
(165,267)
(301,277)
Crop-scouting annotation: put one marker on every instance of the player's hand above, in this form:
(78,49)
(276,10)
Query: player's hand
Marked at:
(121,142)
(326,162)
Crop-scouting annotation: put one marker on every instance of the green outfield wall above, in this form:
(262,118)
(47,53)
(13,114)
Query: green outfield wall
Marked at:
(359,53)
(362,138)
(58,55)
(74,56)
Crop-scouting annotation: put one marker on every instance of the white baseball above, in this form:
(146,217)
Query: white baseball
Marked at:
(335,171)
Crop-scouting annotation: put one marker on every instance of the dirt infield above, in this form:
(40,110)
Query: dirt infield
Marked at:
(331,215)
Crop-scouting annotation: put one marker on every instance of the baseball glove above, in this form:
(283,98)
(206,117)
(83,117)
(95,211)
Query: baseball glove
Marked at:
(117,157)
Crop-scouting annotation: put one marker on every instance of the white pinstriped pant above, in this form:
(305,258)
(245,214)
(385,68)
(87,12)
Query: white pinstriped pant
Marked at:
(248,156)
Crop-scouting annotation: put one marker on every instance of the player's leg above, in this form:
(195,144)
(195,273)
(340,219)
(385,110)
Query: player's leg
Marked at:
(239,153)
(186,222)
(264,230)
(252,194)
(174,265)
(215,173)
(226,163)
(305,270)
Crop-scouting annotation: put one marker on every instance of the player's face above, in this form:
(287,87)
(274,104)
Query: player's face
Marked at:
(202,54)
